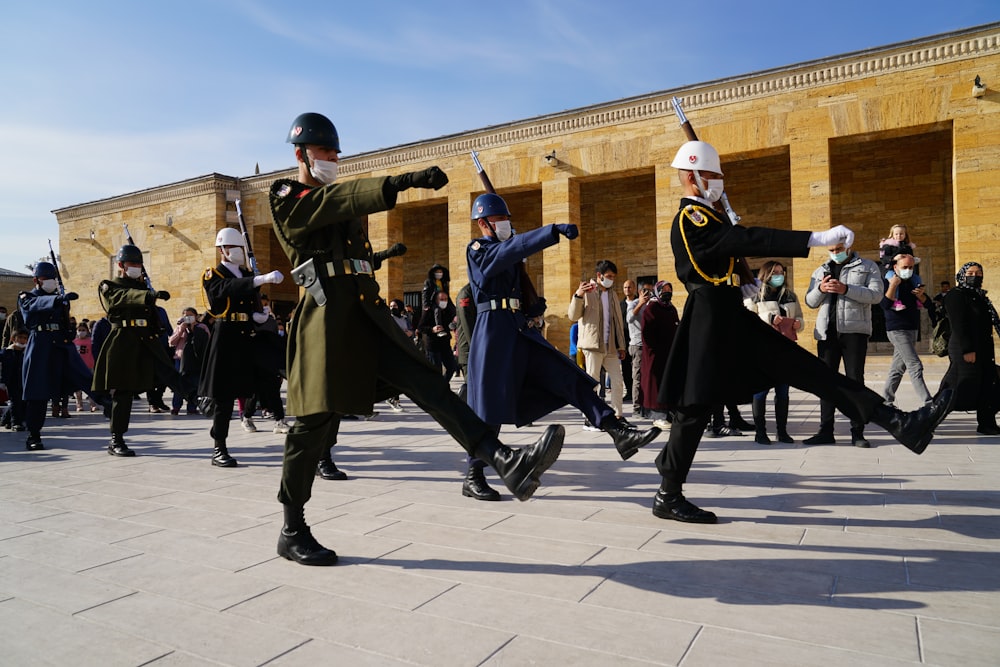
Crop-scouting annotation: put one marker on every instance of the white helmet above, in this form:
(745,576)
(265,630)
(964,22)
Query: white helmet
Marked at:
(229,236)
(697,156)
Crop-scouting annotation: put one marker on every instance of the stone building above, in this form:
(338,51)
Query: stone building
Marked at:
(11,284)
(868,139)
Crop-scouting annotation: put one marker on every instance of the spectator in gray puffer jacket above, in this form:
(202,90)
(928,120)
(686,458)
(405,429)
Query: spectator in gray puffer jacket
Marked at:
(844,289)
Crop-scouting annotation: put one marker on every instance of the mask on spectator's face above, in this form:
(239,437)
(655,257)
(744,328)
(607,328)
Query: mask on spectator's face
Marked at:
(839,257)
(606,283)
(777,280)
(83,333)
(442,303)
(905,274)
(438,275)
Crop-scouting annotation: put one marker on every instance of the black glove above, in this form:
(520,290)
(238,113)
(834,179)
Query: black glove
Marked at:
(395,250)
(163,295)
(569,231)
(432,177)
(70,296)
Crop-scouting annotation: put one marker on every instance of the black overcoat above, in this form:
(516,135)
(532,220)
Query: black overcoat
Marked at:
(229,369)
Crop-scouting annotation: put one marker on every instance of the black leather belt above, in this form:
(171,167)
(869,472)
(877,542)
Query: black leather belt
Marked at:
(131,323)
(349,267)
(498,304)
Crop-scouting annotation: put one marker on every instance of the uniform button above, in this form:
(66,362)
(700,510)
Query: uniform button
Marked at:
(361,297)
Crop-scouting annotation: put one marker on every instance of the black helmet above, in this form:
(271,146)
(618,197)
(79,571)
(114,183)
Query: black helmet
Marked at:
(129,253)
(487,205)
(45,270)
(313,128)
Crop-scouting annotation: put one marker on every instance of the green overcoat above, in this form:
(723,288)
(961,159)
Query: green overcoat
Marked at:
(130,354)
(333,350)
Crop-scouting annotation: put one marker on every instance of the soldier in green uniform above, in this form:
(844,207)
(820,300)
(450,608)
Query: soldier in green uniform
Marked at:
(345,352)
(132,359)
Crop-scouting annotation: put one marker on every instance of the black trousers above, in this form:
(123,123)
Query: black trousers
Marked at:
(121,410)
(852,348)
(782,362)
(220,420)
(311,435)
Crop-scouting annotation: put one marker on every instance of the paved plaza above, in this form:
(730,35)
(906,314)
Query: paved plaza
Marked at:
(827,555)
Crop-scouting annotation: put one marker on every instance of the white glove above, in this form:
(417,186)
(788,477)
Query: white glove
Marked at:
(832,236)
(260,318)
(274,277)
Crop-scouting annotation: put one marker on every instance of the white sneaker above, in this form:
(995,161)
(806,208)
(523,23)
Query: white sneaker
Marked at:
(661,424)
(281,426)
(394,404)
(248,425)
(587,426)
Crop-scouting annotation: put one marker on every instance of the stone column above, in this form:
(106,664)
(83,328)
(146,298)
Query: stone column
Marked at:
(562,263)
(810,186)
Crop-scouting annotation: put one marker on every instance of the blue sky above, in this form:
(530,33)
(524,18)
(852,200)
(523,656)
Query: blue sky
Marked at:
(103,98)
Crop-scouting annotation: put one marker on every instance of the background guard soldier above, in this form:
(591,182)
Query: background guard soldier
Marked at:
(132,358)
(229,370)
(345,352)
(53,368)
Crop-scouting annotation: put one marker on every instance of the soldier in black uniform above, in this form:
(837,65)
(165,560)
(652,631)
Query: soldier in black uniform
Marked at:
(345,352)
(132,359)
(709,364)
(229,370)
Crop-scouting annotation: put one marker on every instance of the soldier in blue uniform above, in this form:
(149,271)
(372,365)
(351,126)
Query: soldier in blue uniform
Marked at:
(52,366)
(515,376)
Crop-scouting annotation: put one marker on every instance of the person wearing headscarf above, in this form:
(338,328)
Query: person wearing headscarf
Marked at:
(972,372)
(659,324)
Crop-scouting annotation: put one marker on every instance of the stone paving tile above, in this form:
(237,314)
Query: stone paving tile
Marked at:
(720,646)
(796,619)
(940,603)
(196,521)
(51,587)
(27,630)
(198,584)
(319,652)
(946,643)
(14,512)
(414,636)
(530,651)
(617,633)
(558,582)
(200,549)
(65,552)
(96,528)
(109,507)
(213,636)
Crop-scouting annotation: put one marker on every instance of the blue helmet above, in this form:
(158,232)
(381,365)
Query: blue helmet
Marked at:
(44,270)
(487,205)
(315,129)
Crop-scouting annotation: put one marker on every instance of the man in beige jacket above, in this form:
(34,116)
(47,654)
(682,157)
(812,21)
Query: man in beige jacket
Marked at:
(601,334)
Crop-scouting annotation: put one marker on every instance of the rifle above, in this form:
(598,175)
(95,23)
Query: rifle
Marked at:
(52,256)
(145,276)
(529,295)
(742,268)
(251,258)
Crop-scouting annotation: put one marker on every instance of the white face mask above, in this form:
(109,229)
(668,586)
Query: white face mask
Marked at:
(133,272)
(324,171)
(442,304)
(49,285)
(504,230)
(438,275)
(189,319)
(905,274)
(19,346)
(235,256)
(606,283)
(711,188)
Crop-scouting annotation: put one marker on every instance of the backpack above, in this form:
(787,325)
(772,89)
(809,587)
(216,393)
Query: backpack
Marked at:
(940,335)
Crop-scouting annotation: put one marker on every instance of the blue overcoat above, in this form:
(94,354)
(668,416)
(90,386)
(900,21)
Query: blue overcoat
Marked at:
(52,366)
(514,375)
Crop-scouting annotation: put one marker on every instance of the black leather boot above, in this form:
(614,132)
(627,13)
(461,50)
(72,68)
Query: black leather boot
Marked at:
(117,446)
(475,485)
(521,469)
(296,542)
(628,439)
(736,420)
(221,457)
(760,421)
(915,429)
(673,505)
(34,442)
(781,419)
(327,469)
(858,438)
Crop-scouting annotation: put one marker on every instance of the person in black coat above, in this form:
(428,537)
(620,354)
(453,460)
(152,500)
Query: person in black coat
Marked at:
(709,364)
(972,372)
(435,328)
